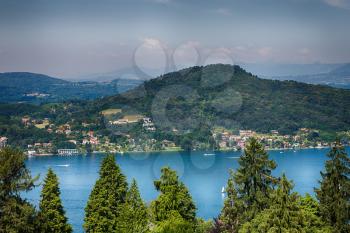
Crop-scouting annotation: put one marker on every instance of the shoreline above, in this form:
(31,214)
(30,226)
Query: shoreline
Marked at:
(164,151)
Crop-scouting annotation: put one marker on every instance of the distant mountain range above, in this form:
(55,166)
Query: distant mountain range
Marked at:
(38,88)
(337,77)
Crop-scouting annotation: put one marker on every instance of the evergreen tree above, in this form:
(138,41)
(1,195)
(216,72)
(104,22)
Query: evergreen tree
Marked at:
(134,215)
(174,197)
(16,214)
(334,192)
(310,210)
(230,217)
(174,224)
(52,215)
(108,194)
(283,215)
(253,179)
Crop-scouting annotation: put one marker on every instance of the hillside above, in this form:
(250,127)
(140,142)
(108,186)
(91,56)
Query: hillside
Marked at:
(228,96)
(39,88)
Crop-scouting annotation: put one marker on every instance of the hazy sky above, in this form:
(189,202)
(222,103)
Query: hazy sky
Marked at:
(69,38)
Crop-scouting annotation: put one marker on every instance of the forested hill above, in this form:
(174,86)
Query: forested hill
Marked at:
(224,95)
(39,88)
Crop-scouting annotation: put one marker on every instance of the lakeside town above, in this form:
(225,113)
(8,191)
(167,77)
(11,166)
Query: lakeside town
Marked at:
(86,140)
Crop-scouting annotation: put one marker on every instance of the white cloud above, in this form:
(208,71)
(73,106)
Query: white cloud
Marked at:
(152,43)
(339,3)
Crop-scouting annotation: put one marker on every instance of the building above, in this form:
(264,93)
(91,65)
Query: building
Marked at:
(67,151)
(274,132)
(247,133)
(26,120)
(3,142)
(148,124)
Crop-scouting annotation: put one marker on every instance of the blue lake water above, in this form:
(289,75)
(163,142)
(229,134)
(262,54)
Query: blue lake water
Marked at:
(204,173)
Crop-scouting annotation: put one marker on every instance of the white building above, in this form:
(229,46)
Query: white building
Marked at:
(3,142)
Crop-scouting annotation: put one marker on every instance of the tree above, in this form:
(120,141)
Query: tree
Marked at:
(253,179)
(334,191)
(174,197)
(311,212)
(174,224)
(16,214)
(51,216)
(230,217)
(109,193)
(283,215)
(134,215)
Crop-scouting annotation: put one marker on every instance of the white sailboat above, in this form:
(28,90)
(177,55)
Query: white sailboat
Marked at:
(223,189)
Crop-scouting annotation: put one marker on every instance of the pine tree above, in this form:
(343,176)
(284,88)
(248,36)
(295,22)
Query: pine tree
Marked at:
(134,215)
(174,224)
(253,179)
(174,197)
(52,215)
(106,198)
(283,215)
(310,209)
(334,192)
(230,217)
(16,214)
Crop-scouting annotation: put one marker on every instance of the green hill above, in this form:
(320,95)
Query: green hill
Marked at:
(224,95)
(39,88)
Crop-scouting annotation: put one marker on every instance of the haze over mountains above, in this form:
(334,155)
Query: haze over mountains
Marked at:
(337,77)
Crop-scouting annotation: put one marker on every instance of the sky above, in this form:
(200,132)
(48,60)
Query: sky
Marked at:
(73,38)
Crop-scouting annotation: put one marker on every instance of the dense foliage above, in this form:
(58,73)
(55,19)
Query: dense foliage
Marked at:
(134,213)
(16,214)
(334,193)
(108,195)
(51,216)
(253,204)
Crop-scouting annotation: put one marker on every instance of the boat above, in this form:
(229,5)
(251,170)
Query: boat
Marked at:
(209,154)
(31,153)
(223,189)
(62,165)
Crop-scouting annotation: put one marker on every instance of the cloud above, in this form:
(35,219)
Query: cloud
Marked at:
(264,51)
(345,4)
(223,11)
(152,43)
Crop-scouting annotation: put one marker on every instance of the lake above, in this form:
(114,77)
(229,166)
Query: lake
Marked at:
(204,173)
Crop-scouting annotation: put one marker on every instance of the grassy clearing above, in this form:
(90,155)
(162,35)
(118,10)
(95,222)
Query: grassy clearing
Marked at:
(111,111)
(133,118)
